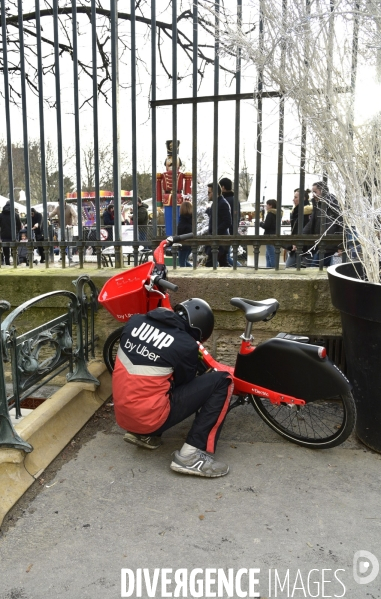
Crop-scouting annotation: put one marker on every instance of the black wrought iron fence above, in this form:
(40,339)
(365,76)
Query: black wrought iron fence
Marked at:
(172,186)
(39,354)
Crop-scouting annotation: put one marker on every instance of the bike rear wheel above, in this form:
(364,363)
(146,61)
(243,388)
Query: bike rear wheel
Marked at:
(319,424)
(110,348)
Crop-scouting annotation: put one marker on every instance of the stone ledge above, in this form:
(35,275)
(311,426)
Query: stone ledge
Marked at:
(304,298)
(49,428)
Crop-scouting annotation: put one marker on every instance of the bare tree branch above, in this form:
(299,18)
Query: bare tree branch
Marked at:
(311,53)
(205,50)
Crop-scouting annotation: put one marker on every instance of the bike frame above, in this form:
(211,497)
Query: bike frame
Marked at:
(241,387)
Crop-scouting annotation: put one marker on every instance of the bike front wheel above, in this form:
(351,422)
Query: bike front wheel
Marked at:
(110,348)
(318,424)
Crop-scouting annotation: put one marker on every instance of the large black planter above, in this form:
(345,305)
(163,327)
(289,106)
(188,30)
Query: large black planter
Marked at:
(360,305)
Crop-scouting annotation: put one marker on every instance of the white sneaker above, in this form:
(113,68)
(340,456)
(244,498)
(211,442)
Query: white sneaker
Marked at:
(198,464)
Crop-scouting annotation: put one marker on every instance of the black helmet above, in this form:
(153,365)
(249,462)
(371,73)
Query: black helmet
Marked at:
(199,316)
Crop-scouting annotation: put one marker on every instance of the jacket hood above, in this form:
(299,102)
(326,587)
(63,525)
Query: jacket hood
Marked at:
(274,210)
(307,209)
(7,207)
(228,194)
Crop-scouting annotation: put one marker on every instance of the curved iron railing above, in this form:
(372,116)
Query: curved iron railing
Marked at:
(40,354)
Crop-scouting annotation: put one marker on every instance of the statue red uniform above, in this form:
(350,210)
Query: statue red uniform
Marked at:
(164,182)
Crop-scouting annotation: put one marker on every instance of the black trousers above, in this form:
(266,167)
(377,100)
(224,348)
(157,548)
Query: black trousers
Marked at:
(208,397)
(40,249)
(7,253)
(222,256)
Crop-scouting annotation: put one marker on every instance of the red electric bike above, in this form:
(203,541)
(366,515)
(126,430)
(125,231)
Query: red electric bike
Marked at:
(306,398)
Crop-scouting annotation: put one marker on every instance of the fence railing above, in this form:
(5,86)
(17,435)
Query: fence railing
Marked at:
(80,252)
(254,243)
(38,355)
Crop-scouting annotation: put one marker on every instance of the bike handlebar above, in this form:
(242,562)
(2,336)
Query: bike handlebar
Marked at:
(159,252)
(180,238)
(165,284)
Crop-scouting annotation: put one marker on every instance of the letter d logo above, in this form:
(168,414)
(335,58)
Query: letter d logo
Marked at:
(364,562)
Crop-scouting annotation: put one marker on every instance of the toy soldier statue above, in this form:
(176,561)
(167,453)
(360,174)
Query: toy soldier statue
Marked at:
(164,185)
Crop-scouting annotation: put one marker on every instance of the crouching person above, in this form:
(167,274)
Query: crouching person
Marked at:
(155,385)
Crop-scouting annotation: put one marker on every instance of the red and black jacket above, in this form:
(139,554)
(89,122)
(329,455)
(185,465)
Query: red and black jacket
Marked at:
(156,352)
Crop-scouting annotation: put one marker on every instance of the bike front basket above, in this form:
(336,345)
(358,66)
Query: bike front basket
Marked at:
(125,295)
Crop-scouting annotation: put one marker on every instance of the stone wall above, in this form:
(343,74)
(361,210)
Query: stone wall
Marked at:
(305,304)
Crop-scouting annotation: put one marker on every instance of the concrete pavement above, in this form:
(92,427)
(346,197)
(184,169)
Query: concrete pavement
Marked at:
(297,515)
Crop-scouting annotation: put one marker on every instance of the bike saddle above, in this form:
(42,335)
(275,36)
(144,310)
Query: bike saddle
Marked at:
(289,337)
(256,311)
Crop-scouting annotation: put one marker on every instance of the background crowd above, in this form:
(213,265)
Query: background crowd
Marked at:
(320,216)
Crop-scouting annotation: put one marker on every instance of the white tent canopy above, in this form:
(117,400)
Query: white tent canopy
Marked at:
(40,207)
(247,207)
(4,200)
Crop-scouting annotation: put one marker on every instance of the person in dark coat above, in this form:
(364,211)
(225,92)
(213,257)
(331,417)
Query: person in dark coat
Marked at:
(38,232)
(6,230)
(108,221)
(185,226)
(269,226)
(227,191)
(294,220)
(325,219)
(142,220)
(224,221)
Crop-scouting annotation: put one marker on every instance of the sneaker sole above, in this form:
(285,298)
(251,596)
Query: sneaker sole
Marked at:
(140,443)
(177,468)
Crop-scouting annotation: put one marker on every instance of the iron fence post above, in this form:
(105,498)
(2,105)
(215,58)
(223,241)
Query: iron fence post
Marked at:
(81,372)
(8,436)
